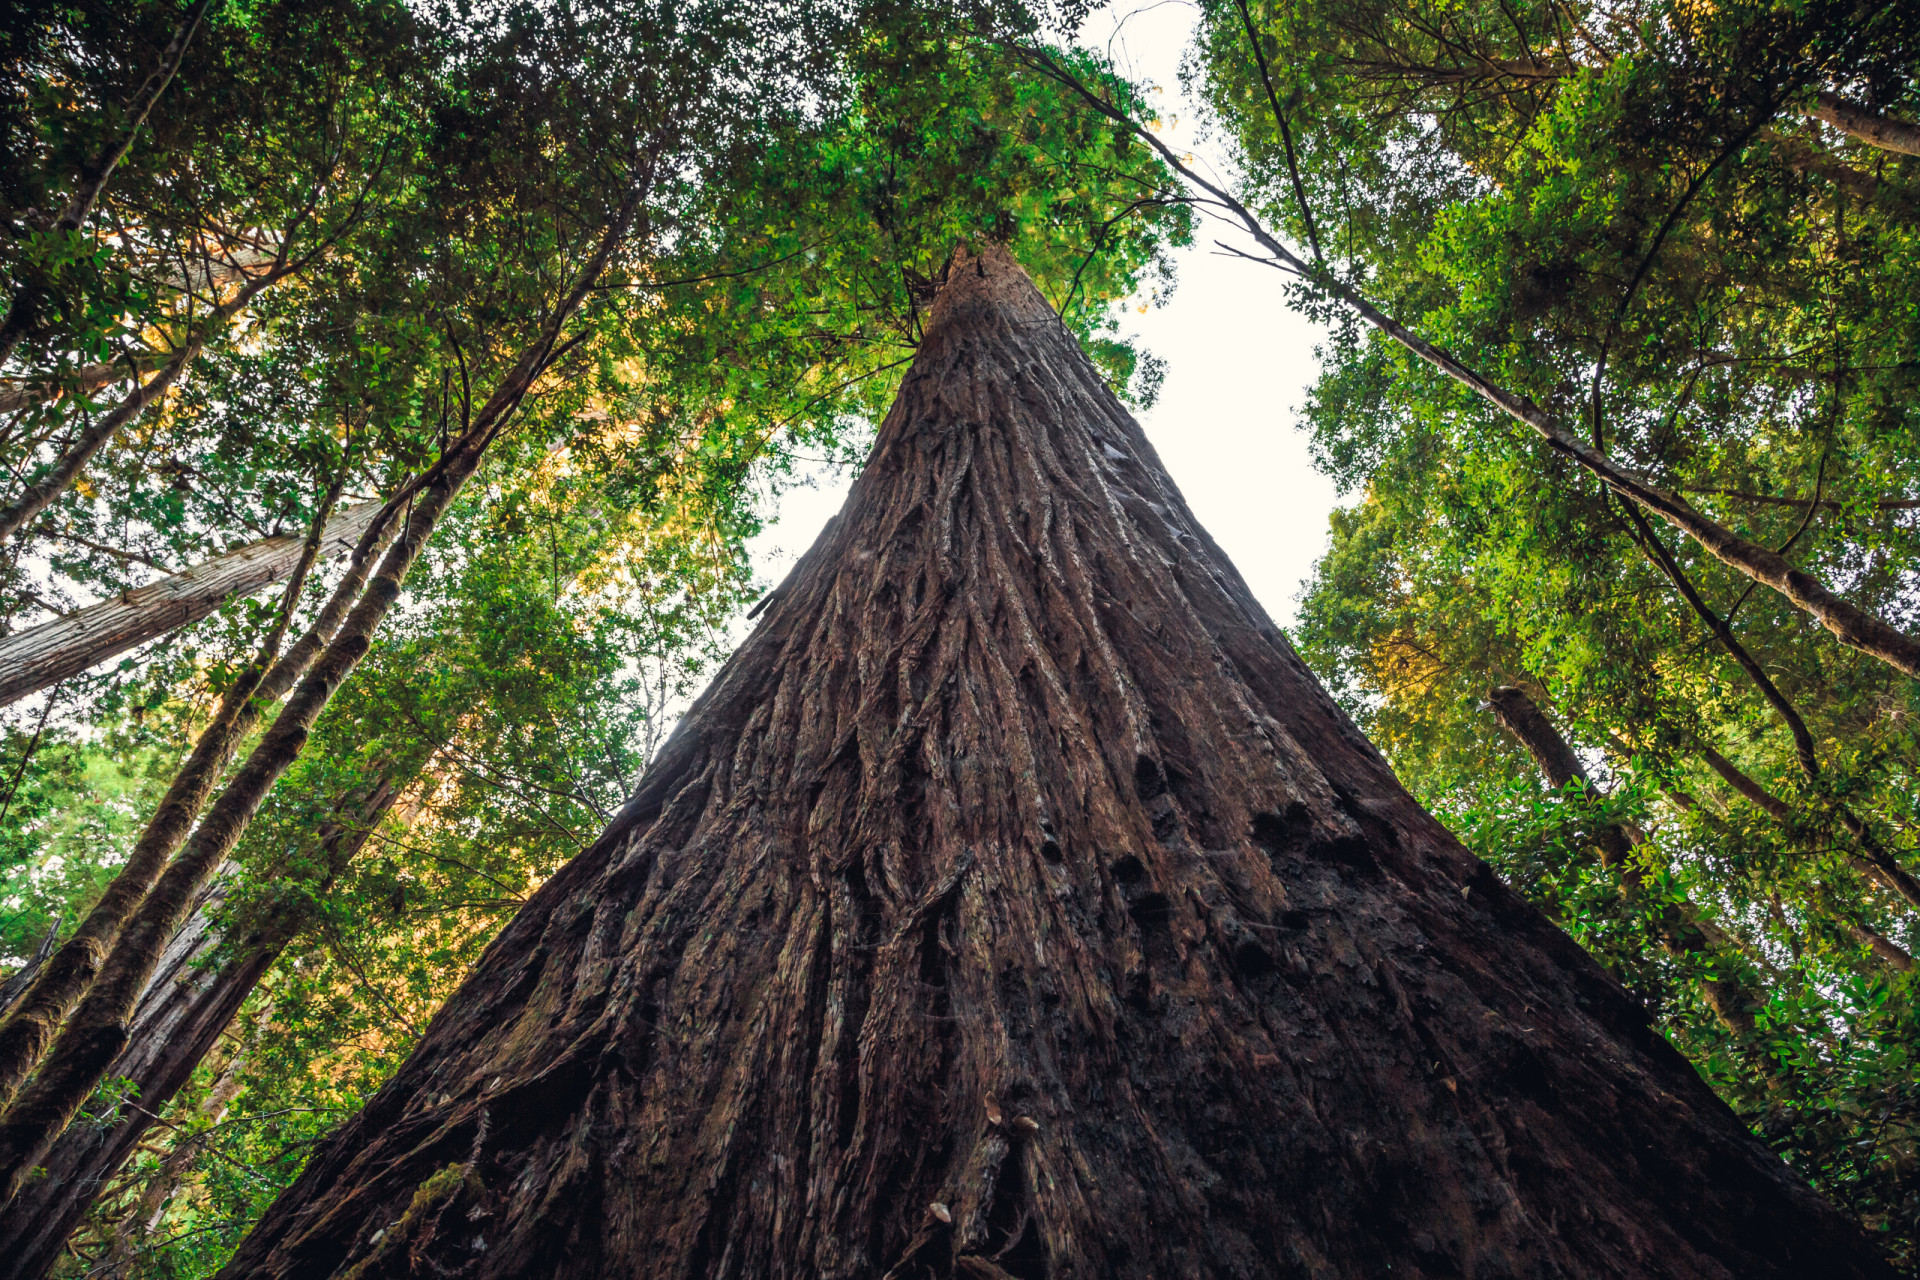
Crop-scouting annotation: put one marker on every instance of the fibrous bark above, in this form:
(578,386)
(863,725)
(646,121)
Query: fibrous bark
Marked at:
(1016,904)
(47,654)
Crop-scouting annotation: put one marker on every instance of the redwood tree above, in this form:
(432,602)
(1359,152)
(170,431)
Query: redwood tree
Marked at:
(1015,903)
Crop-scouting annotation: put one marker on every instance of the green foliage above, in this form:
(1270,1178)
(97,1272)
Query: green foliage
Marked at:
(434,176)
(1625,214)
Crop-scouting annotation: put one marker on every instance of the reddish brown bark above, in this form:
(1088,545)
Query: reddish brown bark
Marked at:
(47,654)
(1016,904)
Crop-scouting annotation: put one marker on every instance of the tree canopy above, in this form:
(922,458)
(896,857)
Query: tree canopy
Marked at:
(1619,386)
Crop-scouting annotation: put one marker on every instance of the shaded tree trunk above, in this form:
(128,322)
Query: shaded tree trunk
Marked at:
(95,1032)
(1016,904)
(1680,927)
(47,654)
(31,1023)
(15,986)
(180,1018)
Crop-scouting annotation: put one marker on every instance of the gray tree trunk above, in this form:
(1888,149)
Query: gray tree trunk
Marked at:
(47,654)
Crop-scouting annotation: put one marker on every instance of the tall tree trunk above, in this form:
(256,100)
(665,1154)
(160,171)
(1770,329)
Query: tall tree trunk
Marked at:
(47,654)
(181,1017)
(1681,928)
(30,1025)
(96,1031)
(1016,904)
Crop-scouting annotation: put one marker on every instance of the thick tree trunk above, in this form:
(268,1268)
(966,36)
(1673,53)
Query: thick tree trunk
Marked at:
(47,654)
(182,1015)
(179,1019)
(1016,904)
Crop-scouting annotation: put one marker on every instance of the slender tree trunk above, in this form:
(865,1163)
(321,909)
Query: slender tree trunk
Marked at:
(1867,125)
(47,654)
(1015,904)
(22,312)
(1781,812)
(1682,930)
(30,1026)
(96,1031)
(56,479)
(180,1018)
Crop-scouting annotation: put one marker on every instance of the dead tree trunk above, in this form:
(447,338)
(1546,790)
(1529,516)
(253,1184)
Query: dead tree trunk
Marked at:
(1016,904)
(182,1015)
(47,654)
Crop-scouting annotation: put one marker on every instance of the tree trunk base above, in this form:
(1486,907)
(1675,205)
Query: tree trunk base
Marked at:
(1016,904)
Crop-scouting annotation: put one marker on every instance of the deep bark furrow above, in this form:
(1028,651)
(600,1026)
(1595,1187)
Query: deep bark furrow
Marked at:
(1014,904)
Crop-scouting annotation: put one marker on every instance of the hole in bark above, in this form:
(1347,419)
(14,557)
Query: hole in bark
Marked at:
(1128,869)
(1282,833)
(1013,1242)
(1050,849)
(1151,911)
(1148,780)
(1295,920)
(1026,1259)
(1252,959)
(1166,819)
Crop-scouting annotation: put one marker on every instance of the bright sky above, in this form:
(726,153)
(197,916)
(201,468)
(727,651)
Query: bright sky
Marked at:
(1239,364)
